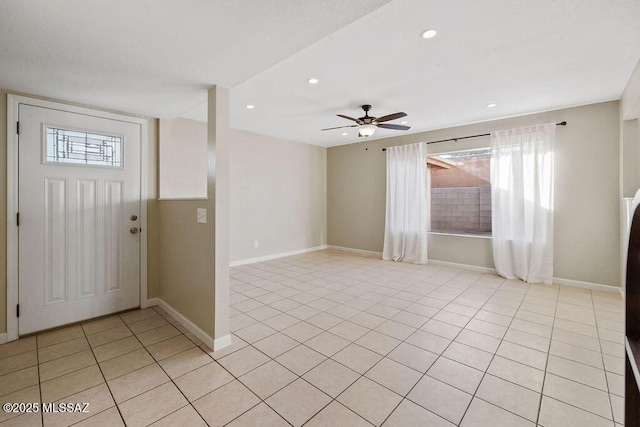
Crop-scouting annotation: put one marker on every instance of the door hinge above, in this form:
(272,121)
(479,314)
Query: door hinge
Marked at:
(18,219)
(18,310)
(18,128)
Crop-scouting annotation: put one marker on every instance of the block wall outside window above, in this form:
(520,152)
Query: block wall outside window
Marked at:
(461,193)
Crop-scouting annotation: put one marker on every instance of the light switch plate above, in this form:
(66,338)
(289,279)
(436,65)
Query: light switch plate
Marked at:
(202,215)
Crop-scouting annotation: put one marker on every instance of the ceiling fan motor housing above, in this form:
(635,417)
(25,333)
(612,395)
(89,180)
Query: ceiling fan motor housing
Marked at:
(366,119)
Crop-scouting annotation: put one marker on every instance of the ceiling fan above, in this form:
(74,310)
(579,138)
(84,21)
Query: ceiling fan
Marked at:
(367,124)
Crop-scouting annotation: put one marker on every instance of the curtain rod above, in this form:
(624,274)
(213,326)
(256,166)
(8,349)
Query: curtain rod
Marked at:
(472,136)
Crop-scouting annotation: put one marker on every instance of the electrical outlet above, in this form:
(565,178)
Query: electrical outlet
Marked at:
(202,215)
(256,243)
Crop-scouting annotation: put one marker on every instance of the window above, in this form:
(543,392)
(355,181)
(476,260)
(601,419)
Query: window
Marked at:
(461,192)
(70,146)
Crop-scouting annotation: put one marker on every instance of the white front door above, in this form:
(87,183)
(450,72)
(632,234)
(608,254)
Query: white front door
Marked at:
(79,204)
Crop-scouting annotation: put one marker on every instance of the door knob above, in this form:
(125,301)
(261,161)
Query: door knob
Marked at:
(133,217)
(134,230)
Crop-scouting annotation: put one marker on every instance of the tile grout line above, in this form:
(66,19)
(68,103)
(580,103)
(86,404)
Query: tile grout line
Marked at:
(213,361)
(72,372)
(245,386)
(165,372)
(453,340)
(404,340)
(298,377)
(546,363)
(439,355)
(467,288)
(39,382)
(604,365)
(326,358)
(155,361)
(577,382)
(231,374)
(363,375)
(540,393)
(103,377)
(340,282)
(85,336)
(98,363)
(439,310)
(322,297)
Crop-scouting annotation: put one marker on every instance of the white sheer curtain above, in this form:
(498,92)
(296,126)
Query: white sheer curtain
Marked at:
(405,235)
(522,202)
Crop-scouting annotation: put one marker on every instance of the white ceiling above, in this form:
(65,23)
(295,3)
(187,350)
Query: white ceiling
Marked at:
(157,58)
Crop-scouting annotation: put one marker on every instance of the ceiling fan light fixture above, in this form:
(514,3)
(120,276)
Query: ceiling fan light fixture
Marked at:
(367,125)
(367,130)
(429,34)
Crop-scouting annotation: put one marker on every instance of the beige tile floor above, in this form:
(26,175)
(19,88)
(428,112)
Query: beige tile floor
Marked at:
(335,339)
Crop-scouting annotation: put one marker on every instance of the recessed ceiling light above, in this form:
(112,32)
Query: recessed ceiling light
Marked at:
(429,34)
(250,107)
(404,122)
(313,81)
(344,134)
(491,105)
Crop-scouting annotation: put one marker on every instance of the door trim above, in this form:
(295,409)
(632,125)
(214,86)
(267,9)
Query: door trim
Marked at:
(13,102)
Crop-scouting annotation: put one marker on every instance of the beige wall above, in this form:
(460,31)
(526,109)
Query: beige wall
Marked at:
(629,157)
(182,157)
(586,192)
(630,99)
(185,260)
(278,196)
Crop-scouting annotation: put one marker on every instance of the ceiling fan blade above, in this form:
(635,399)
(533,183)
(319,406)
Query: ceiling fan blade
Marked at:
(390,117)
(340,127)
(348,118)
(394,127)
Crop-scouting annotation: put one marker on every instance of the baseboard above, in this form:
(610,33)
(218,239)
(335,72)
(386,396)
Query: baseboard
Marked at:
(429,262)
(587,285)
(3,338)
(354,251)
(150,302)
(556,280)
(221,342)
(275,256)
(468,267)
(191,327)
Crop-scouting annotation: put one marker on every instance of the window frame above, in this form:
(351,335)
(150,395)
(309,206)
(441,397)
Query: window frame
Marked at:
(45,160)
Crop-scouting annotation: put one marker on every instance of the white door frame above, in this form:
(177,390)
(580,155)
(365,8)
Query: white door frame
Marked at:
(13,102)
